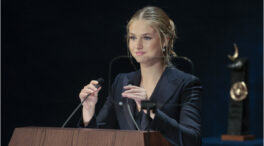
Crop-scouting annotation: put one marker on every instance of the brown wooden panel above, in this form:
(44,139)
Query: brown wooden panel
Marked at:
(25,136)
(58,137)
(237,137)
(40,136)
(156,139)
(95,137)
(130,138)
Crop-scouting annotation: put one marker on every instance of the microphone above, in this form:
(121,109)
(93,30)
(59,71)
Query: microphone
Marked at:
(100,82)
(129,109)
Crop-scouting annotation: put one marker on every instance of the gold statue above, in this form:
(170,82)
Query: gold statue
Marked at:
(239,90)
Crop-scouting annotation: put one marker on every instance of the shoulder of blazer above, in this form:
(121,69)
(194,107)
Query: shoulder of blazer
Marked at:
(177,76)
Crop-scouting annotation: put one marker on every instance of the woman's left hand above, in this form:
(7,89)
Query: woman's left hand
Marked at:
(135,92)
(138,94)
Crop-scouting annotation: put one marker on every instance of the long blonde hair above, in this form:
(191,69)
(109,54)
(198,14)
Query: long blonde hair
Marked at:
(160,21)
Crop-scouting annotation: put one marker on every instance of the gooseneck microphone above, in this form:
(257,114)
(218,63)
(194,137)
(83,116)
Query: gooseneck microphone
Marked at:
(129,109)
(100,82)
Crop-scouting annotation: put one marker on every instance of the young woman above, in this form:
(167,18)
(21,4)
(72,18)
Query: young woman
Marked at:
(150,37)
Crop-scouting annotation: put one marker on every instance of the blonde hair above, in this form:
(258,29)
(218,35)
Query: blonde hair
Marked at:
(160,21)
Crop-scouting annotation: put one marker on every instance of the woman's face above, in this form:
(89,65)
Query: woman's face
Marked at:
(144,43)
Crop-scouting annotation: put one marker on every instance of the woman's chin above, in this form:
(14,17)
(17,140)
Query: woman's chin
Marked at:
(147,61)
(140,59)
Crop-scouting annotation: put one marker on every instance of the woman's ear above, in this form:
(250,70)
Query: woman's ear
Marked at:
(166,41)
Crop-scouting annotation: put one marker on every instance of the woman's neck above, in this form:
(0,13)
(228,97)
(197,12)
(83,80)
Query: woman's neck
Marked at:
(151,74)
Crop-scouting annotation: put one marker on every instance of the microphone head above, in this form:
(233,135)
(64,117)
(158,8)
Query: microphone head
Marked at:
(100,81)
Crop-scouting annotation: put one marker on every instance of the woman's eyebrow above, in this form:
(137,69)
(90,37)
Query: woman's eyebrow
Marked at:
(144,34)
(147,34)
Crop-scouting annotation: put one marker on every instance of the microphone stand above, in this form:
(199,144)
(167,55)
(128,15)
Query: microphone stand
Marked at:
(110,91)
(148,105)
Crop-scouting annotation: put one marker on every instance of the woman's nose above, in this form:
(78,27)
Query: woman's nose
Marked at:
(139,44)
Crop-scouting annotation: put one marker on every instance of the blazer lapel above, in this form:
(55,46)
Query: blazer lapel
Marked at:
(165,88)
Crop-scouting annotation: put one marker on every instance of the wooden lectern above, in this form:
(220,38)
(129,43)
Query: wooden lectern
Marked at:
(43,136)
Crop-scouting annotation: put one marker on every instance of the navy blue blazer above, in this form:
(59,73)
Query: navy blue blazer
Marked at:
(178,114)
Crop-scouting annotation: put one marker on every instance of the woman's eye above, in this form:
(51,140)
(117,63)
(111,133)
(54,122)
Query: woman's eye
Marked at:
(147,38)
(132,37)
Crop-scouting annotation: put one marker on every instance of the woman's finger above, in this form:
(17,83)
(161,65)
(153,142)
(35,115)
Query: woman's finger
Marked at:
(135,90)
(83,94)
(91,86)
(131,96)
(88,90)
(135,96)
(94,82)
(97,91)
(130,87)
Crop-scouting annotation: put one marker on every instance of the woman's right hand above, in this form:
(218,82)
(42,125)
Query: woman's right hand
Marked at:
(90,102)
(93,97)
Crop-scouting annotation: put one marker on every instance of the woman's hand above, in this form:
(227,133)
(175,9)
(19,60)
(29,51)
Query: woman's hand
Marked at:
(93,97)
(136,93)
(89,104)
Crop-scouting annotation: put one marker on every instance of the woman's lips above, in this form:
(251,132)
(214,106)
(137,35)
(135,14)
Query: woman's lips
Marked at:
(140,53)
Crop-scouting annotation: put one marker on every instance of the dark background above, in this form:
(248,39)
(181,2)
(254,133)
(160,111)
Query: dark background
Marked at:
(51,49)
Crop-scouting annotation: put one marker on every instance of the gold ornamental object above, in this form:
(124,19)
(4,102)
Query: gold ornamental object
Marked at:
(235,55)
(239,91)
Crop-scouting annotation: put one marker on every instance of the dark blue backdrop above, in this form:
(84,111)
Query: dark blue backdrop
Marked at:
(51,49)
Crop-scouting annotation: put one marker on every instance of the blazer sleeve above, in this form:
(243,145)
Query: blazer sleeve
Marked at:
(186,130)
(106,118)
